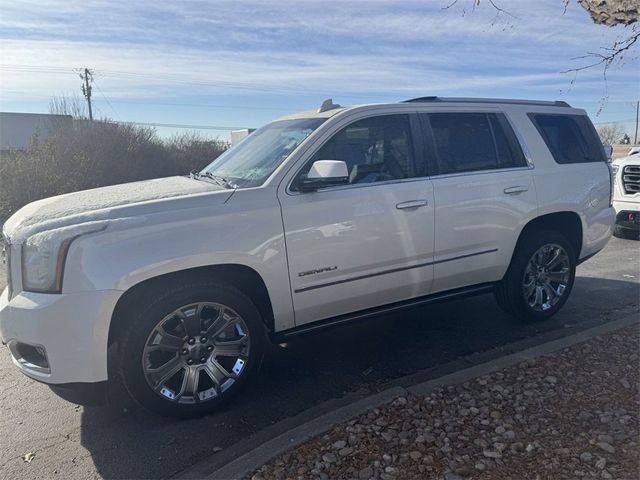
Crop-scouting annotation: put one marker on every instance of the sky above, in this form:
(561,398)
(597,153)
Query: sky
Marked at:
(236,64)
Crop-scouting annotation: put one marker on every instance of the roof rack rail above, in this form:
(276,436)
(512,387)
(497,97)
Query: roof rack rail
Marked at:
(512,101)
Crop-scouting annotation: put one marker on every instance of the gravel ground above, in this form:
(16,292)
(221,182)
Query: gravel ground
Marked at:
(574,414)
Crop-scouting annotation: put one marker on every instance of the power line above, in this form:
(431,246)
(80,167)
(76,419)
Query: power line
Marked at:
(624,120)
(106,100)
(174,104)
(181,125)
(167,78)
(178,80)
(635,140)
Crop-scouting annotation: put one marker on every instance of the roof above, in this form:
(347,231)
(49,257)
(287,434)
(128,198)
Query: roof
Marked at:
(335,109)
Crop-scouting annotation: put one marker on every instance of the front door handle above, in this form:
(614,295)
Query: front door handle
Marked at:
(512,190)
(412,204)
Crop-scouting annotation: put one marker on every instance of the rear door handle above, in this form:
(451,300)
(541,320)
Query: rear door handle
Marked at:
(412,204)
(512,190)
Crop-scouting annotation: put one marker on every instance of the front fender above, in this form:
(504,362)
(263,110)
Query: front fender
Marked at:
(246,231)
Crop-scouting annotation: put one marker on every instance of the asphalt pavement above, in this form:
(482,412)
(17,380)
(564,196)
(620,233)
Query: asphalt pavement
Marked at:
(122,441)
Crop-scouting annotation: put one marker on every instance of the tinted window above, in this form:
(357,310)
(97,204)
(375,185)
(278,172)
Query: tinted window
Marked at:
(570,138)
(509,151)
(375,149)
(467,142)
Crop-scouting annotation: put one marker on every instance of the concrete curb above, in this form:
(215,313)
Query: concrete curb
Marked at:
(515,358)
(265,451)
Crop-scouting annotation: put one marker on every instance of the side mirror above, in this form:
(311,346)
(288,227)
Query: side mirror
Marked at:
(325,173)
(608,151)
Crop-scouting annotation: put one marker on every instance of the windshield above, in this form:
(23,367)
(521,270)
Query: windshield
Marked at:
(250,163)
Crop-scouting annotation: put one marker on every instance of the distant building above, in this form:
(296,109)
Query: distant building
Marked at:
(237,135)
(18,129)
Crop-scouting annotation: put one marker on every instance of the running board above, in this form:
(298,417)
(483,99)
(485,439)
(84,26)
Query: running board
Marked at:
(280,337)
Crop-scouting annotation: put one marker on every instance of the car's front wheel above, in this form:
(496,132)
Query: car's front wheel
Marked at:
(190,347)
(540,277)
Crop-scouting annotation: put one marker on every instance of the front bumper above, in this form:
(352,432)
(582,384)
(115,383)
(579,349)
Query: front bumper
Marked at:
(72,328)
(627,215)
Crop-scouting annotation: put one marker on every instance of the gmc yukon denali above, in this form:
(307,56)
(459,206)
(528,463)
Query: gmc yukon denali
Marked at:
(317,219)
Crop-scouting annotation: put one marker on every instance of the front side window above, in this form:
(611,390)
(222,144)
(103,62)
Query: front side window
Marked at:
(570,138)
(467,142)
(253,160)
(375,149)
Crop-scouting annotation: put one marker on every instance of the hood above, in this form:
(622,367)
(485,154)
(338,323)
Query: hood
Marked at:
(634,159)
(104,204)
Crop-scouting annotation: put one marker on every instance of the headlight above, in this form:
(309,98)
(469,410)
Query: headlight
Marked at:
(44,255)
(614,169)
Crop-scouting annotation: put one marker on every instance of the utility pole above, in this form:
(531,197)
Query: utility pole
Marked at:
(87,77)
(635,140)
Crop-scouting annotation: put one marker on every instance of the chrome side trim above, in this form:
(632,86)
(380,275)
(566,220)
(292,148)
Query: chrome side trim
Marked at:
(360,185)
(392,270)
(479,172)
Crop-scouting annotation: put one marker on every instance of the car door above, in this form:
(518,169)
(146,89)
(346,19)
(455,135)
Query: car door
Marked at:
(370,242)
(484,194)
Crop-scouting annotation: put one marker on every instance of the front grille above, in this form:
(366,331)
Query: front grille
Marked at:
(631,179)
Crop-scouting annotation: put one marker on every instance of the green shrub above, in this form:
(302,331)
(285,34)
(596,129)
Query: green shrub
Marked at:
(94,154)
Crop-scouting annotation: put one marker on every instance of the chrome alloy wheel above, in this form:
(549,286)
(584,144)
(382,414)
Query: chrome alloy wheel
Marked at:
(546,277)
(196,353)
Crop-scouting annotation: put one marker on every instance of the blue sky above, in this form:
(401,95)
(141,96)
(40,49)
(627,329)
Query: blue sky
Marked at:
(243,63)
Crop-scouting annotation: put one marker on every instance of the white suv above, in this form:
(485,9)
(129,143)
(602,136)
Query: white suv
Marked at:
(626,194)
(317,219)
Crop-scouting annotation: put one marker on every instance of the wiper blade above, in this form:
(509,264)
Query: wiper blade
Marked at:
(223,182)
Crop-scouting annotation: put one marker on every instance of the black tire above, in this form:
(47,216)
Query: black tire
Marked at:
(509,293)
(144,318)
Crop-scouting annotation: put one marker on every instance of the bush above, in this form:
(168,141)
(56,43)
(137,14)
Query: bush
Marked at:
(95,154)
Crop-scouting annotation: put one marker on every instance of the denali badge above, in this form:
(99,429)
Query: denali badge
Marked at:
(317,270)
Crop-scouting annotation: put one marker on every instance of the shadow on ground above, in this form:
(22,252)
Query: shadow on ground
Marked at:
(126,442)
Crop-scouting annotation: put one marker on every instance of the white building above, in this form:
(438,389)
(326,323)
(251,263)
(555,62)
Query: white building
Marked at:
(18,129)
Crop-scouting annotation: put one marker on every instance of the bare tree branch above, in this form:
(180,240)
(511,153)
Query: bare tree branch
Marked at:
(603,12)
(611,133)
(68,105)
(499,10)
(609,54)
(476,3)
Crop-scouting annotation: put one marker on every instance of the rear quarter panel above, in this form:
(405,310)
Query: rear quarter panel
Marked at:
(583,188)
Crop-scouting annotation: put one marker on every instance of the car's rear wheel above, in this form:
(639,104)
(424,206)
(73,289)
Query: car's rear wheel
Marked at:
(190,348)
(540,277)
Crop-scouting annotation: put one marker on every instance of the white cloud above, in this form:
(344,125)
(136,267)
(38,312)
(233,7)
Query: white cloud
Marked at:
(150,49)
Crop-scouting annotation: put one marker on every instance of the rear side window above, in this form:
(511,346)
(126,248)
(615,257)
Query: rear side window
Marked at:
(466,142)
(509,151)
(570,138)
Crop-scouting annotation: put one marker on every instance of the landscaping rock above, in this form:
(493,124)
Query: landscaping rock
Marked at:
(537,419)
